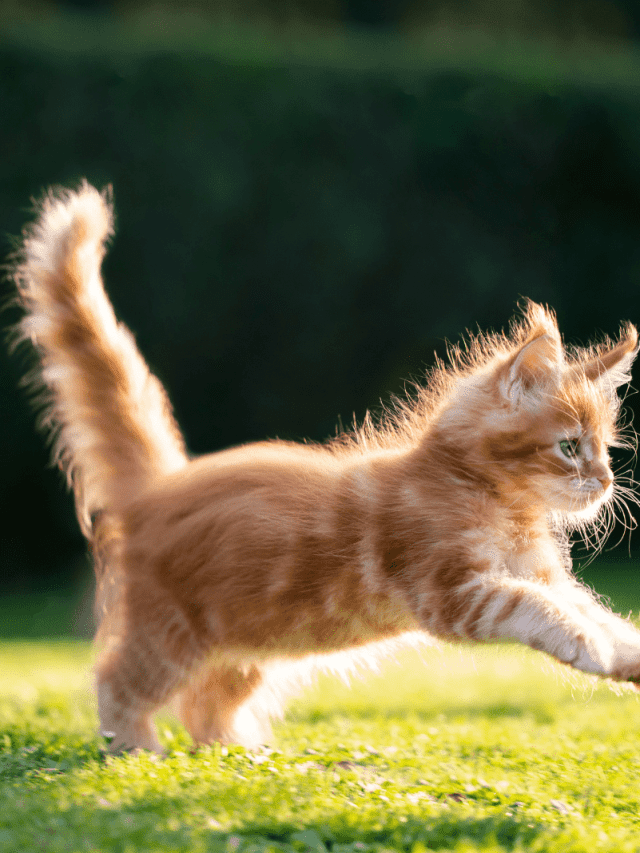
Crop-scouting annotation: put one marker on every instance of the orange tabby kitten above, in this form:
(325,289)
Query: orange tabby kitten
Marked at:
(450,518)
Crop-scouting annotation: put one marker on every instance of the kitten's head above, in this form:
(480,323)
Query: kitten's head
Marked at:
(544,418)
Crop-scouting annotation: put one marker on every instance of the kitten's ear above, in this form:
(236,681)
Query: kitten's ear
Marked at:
(612,367)
(536,367)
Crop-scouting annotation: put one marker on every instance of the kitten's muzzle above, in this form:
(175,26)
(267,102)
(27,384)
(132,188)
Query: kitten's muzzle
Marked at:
(606,480)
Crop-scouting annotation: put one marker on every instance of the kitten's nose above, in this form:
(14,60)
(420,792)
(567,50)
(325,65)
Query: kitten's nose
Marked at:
(602,473)
(605,478)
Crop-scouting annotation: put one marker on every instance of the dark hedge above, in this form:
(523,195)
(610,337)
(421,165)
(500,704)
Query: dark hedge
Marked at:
(296,238)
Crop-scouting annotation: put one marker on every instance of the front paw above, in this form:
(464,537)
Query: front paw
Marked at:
(594,654)
(626,664)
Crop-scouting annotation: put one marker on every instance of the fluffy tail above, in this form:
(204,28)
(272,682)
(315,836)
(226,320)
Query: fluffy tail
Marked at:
(109,417)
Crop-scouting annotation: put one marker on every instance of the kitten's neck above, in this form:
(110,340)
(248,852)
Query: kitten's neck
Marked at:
(461,475)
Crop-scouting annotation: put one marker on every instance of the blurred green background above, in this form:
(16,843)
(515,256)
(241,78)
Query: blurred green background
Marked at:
(312,197)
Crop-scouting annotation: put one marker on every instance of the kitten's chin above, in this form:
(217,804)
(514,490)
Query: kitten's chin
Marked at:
(588,513)
(577,505)
(585,507)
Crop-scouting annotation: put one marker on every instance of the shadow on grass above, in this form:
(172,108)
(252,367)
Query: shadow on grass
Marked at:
(434,832)
(540,713)
(165,823)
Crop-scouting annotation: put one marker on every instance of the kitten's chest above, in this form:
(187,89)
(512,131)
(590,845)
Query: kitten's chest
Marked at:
(526,555)
(537,559)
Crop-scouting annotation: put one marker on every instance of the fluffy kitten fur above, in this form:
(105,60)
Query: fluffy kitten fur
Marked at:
(450,518)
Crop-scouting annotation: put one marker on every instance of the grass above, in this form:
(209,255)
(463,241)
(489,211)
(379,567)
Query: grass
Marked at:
(485,749)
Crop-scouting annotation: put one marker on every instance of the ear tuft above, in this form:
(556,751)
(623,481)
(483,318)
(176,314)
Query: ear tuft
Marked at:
(539,320)
(611,366)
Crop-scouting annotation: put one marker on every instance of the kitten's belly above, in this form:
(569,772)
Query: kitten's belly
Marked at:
(301,636)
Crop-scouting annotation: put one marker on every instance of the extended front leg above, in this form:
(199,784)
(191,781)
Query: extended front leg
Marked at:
(622,633)
(563,621)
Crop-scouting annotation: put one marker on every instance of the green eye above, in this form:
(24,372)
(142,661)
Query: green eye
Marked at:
(569,447)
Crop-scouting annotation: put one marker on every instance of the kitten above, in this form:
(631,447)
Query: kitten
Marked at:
(450,518)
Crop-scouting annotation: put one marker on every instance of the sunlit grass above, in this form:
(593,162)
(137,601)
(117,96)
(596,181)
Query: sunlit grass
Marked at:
(492,748)
(452,748)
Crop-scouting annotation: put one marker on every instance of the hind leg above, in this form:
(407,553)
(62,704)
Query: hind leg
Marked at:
(126,724)
(138,676)
(227,704)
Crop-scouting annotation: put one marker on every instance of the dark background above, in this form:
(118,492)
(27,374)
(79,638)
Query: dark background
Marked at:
(311,198)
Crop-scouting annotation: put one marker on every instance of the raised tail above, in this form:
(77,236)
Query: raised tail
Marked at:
(109,416)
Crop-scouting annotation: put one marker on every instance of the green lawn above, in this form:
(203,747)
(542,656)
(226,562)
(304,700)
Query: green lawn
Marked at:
(490,749)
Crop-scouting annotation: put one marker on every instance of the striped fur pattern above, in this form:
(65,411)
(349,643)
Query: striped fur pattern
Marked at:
(220,573)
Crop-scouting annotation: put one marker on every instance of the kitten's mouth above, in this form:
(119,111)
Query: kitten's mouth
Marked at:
(583,498)
(600,491)
(592,496)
